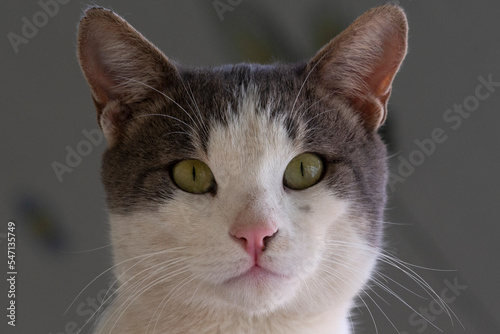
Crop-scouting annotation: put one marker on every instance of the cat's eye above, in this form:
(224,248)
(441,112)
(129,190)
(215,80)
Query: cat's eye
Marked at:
(304,171)
(193,176)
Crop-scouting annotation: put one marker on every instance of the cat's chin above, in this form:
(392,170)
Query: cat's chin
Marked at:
(256,275)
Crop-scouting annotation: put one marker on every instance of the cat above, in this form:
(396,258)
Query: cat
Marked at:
(244,198)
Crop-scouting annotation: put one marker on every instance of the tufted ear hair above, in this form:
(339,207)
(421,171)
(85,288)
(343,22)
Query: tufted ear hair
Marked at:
(361,62)
(120,65)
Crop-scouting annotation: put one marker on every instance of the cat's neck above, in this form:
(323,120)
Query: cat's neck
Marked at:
(223,320)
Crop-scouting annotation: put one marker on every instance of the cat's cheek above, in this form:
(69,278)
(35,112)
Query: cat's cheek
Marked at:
(313,212)
(186,216)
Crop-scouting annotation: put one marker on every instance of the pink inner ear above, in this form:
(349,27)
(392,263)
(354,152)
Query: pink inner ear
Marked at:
(121,67)
(95,70)
(380,80)
(360,63)
(383,85)
(104,85)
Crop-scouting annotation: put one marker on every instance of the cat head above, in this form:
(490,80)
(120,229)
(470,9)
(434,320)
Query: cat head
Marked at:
(259,187)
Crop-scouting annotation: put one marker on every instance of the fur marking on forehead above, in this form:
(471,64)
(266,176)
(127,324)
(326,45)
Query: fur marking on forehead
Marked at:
(251,140)
(251,127)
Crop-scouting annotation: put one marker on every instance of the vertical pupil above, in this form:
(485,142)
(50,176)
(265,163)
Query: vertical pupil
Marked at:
(194,174)
(302,169)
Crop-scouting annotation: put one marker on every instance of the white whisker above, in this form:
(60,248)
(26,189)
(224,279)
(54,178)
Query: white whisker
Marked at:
(111,268)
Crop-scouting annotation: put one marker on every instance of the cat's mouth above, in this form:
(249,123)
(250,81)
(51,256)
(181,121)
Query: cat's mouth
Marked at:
(257,274)
(258,289)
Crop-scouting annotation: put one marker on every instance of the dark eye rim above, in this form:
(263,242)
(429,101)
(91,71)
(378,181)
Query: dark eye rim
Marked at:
(212,190)
(325,163)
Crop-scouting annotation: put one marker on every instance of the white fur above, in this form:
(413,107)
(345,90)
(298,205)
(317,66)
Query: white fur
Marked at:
(320,253)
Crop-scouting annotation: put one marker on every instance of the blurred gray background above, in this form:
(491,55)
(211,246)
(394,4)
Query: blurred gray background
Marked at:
(444,213)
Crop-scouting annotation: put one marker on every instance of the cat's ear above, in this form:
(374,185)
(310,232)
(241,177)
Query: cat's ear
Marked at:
(361,62)
(121,67)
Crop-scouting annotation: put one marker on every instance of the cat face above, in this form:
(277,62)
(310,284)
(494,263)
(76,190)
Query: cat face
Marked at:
(247,150)
(258,187)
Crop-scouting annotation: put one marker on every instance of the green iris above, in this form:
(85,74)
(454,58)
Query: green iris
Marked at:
(303,171)
(193,176)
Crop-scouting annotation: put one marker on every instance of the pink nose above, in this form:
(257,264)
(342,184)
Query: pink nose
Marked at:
(255,239)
